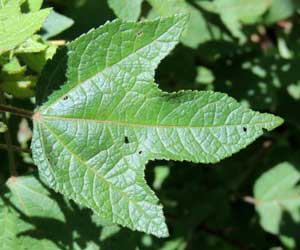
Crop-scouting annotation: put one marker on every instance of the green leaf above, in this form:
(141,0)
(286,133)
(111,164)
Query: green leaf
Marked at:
(277,198)
(15,82)
(3,127)
(19,86)
(16,27)
(33,5)
(246,11)
(55,24)
(294,90)
(30,197)
(127,10)
(33,44)
(280,10)
(34,217)
(8,229)
(93,137)
(36,61)
(28,201)
(234,13)
(13,67)
(161,173)
(198,30)
(205,77)
(9,8)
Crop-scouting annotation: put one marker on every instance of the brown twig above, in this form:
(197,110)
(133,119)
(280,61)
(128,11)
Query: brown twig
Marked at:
(250,200)
(16,111)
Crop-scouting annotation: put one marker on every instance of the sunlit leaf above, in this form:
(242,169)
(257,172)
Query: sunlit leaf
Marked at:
(93,137)
(16,27)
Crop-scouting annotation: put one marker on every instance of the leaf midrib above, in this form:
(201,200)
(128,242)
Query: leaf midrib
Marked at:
(278,201)
(145,125)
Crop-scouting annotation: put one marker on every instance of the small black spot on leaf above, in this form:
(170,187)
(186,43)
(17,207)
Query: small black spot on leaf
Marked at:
(140,33)
(140,152)
(245,129)
(65,98)
(126,140)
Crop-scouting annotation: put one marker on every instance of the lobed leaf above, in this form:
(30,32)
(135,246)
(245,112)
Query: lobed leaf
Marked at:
(93,137)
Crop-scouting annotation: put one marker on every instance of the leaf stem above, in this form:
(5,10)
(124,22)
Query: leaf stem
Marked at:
(16,111)
(250,200)
(58,42)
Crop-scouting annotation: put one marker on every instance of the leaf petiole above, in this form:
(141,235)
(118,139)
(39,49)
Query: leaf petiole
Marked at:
(16,111)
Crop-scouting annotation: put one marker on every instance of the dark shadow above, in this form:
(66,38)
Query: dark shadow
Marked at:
(53,75)
(261,82)
(178,70)
(98,13)
(212,19)
(289,228)
(81,227)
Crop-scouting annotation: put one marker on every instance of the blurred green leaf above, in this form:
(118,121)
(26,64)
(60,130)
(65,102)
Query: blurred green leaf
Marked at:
(161,173)
(55,24)
(3,127)
(34,217)
(19,86)
(234,13)
(205,77)
(33,44)
(199,28)
(277,200)
(16,27)
(294,90)
(13,67)
(37,61)
(280,10)
(127,10)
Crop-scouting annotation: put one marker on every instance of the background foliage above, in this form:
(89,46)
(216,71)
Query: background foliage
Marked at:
(248,49)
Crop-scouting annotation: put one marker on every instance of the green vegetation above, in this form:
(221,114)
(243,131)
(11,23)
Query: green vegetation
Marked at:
(146,125)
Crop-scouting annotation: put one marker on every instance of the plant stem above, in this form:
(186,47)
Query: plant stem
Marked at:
(58,42)
(250,200)
(7,137)
(16,111)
